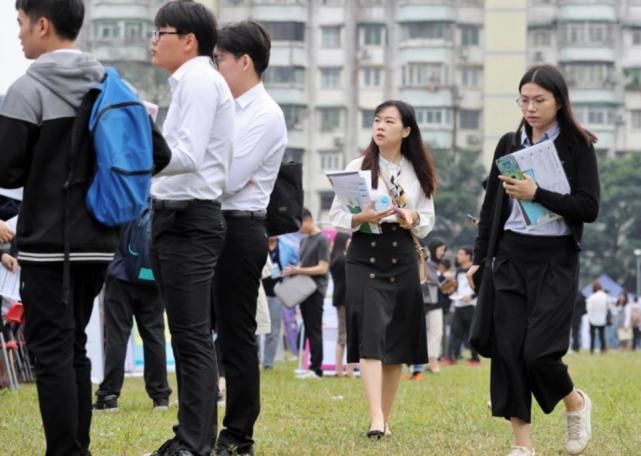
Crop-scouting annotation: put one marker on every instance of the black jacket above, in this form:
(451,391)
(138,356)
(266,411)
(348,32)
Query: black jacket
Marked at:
(580,206)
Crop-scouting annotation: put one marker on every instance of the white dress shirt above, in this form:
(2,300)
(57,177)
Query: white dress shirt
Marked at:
(199,131)
(597,306)
(259,145)
(341,218)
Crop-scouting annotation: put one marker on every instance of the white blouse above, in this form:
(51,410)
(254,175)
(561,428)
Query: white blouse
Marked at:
(341,218)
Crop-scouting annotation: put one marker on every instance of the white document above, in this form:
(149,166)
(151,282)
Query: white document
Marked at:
(540,162)
(10,284)
(354,190)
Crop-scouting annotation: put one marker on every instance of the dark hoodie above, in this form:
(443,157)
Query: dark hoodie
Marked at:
(41,113)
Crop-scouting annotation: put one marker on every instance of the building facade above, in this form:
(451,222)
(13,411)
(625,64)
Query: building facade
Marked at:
(456,61)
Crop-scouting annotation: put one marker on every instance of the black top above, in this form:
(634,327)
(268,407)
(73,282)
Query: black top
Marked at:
(580,206)
(337,270)
(314,249)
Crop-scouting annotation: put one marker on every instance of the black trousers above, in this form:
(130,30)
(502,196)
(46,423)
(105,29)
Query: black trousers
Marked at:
(311,310)
(185,248)
(535,281)
(576,331)
(236,293)
(461,323)
(636,338)
(593,333)
(56,336)
(124,301)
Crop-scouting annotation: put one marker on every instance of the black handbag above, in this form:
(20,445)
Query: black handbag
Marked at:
(285,209)
(482,327)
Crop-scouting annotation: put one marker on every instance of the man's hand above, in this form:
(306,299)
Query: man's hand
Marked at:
(9,262)
(290,271)
(6,233)
(521,189)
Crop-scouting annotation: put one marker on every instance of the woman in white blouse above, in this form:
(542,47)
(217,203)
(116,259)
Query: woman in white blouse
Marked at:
(385,319)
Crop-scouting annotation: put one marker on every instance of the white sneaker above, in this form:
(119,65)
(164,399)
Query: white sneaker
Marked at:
(307,375)
(579,425)
(521,451)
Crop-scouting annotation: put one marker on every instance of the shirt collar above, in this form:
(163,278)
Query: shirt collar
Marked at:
(552,133)
(183,69)
(248,97)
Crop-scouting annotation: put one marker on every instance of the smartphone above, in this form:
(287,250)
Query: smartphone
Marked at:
(472,218)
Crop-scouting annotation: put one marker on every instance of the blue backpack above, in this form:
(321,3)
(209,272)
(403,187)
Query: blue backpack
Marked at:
(122,139)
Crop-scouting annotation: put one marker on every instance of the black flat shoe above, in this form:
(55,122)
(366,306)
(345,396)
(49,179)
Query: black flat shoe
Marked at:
(375,434)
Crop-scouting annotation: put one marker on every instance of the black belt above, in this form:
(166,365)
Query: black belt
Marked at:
(234,214)
(179,205)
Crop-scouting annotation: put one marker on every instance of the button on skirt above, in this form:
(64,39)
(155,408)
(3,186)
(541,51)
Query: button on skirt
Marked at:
(384,303)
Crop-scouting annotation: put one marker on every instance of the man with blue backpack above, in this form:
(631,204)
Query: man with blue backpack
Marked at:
(130,291)
(63,247)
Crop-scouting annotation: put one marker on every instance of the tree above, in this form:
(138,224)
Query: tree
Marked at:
(458,193)
(609,243)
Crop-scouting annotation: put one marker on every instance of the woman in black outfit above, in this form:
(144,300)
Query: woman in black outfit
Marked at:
(535,272)
(337,270)
(385,318)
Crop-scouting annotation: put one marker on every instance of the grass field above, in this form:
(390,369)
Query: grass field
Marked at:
(445,414)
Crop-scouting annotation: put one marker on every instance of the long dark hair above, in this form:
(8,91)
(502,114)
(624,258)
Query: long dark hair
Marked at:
(551,79)
(338,249)
(413,148)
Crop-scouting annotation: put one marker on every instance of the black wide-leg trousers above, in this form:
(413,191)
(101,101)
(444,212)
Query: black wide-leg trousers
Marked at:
(535,281)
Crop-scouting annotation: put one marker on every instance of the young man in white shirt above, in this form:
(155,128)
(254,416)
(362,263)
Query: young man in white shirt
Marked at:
(188,227)
(242,55)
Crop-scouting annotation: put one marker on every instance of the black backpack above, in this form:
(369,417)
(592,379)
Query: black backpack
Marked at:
(137,239)
(285,209)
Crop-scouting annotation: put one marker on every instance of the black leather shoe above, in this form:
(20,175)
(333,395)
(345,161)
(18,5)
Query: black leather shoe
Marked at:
(171,447)
(375,434)
(232,450)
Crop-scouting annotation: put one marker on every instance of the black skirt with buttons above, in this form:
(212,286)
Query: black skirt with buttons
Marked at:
(384,304)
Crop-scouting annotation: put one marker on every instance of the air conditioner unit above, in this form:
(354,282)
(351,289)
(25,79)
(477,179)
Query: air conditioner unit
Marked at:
(338,141)
(473,140)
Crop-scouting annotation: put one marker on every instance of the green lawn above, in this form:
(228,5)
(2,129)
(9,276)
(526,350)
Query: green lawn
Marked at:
(445,414)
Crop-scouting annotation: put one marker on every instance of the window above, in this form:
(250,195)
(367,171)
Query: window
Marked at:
(330,118)
(586,33)
(595,115)
(290,75)
(635,119)
(326,199)
(330,78)
(636,36)
(588,75)
(330,37)
(471,77)
(367,118)
(632,78)
(470,35)
(425,74)
(541,37)
(293,116)
(293,154)
(371,77)
(107,31)
(469,119)
(372,34)
(285,31)
(133,31)
(433,116)
(331,160)
(427,31)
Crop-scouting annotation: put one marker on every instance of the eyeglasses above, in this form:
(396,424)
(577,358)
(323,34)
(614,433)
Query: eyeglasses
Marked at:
(156,34)
(524,102)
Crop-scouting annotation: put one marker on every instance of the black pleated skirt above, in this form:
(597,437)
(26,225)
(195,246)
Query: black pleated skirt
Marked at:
(384,304)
